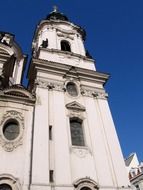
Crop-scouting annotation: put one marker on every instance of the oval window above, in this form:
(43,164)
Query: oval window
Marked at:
(72,89)
(11,130)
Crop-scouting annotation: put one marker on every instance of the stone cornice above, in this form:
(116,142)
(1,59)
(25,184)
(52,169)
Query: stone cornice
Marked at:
(17,94)
(60,52)
(53,23)
(61,69)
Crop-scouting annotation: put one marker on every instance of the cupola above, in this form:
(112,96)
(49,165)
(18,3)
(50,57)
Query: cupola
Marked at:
(59,40)
(56,15)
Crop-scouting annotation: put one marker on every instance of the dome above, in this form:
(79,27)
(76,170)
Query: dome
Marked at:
(56,15)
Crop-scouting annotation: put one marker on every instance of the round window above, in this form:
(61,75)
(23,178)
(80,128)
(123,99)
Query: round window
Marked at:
(5,187)
(72,89)
(11,130)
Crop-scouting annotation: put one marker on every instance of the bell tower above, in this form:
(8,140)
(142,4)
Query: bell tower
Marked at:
(75,145)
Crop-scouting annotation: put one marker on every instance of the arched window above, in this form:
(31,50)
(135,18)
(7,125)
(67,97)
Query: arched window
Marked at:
(5,186)
(65,46)
(8,182)
(86,184)
(76,129)
(44,43)
(85,188)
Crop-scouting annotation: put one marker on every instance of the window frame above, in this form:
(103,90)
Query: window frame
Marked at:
(83,133)
(11,181)
(76,88)
(66,44)
(12,115)
(11,121)
(86,182)
(5,184)
(77,84)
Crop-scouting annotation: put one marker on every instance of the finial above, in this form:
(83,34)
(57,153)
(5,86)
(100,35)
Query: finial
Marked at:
(55,8)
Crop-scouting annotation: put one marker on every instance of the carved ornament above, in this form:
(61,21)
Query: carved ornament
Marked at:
(10,145)
(50,85)
(85,182)
(75,106)
(93,93)
(80,151)
(11,181)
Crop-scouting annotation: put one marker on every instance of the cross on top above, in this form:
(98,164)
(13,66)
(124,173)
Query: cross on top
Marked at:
(55,8)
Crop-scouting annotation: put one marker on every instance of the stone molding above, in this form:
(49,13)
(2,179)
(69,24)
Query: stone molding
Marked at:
(10,180)
(10,145)
(80,151)
(85,182)
(50,85)
(75,113)
(60,86)
(93,93)
(65,36)
(75,106)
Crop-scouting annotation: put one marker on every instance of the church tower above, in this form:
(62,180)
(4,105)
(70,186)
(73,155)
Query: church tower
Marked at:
(57,134)
(75,145)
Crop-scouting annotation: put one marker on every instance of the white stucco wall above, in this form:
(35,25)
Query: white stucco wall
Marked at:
(17,161)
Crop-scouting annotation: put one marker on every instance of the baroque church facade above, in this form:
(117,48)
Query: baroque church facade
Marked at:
(57,133)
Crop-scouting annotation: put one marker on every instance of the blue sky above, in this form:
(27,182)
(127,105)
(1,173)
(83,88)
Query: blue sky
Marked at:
(114,38)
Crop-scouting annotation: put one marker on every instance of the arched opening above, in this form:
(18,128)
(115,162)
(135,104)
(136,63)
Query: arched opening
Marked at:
(65,46)
(5,186)
(44,43)
(85,188)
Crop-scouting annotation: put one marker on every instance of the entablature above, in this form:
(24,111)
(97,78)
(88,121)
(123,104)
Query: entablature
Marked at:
(62,70)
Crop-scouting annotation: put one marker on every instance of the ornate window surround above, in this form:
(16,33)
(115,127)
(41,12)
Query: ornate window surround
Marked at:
(10,180)
(71,89)
(85,182)
(71,80)
(77,110)
(10,145)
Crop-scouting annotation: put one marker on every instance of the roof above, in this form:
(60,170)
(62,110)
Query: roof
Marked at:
(56,15)
(129,159)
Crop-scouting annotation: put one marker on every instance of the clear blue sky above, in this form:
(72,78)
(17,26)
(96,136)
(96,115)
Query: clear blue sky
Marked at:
(114,38)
